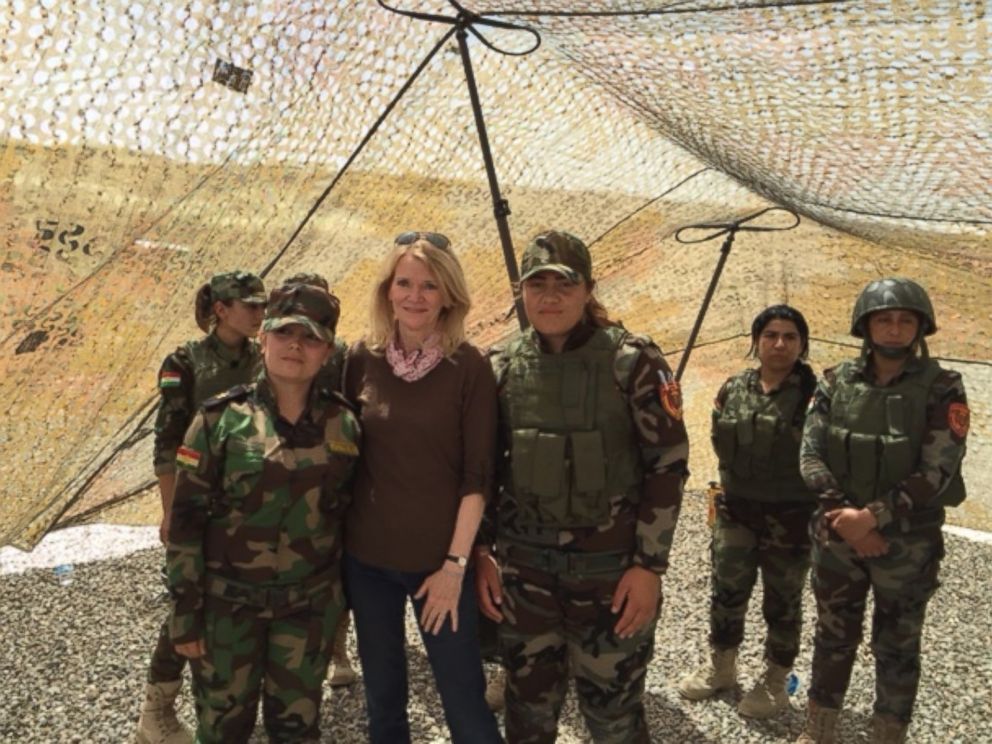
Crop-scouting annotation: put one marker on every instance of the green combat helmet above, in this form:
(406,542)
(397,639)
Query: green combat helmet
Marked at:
(309,306)
(237,285)
(560,252)
(893,293)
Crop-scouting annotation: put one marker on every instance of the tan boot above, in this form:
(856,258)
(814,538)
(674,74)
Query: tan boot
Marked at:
(886,729)
(496,690)
(719,673)
(820,726)
(768,697)
(343,675)
(158,723)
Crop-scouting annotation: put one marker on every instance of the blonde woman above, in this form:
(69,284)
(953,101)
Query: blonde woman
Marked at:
(427,403)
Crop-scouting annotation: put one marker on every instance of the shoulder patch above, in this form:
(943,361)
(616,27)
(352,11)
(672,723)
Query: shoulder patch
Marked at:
(187,458)
(959,419)
(169,379)
(238,392)
(670,394)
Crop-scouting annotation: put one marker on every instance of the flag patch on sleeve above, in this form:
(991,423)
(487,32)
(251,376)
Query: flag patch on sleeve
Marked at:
(187,458)
(169,379)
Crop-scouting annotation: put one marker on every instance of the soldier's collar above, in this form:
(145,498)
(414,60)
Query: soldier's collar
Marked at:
(576,339)
(224,351)
(913,365)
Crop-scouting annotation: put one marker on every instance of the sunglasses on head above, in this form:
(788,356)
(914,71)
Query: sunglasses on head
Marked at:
(437,240)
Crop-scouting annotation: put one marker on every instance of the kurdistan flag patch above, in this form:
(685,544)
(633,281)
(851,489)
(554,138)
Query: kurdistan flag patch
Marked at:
(187,458)
(169,379)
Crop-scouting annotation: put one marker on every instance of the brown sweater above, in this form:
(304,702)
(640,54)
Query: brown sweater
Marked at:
(426,444)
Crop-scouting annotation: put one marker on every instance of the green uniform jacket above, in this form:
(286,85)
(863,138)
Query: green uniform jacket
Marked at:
(634,430)
(756,437)
(936,417)
(195,371)
(259,501)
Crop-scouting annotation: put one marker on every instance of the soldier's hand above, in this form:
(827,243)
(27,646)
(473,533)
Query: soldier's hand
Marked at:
(442,590)
(638,594)
(850,523)
(488,586)
(193,649)
(871,545)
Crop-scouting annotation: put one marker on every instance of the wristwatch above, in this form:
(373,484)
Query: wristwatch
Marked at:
(459,560)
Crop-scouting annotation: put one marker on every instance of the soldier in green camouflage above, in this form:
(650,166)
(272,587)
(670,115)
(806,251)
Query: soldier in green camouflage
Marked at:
(883,445)
(255,538)
(762,513)
(329,378)
(590,491)
(229,310)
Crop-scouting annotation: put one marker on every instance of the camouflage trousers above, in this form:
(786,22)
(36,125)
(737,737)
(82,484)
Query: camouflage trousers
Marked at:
(252,652)
(748,537)
(166,665)
(902,582)
(556,624)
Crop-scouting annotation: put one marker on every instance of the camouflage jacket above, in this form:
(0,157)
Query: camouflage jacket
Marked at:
(644,526)
(756,436)
(939,461)
(259,501)
(194,372)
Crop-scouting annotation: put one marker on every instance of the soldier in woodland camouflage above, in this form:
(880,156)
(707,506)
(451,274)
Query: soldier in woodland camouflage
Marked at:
(883,445)
(591,421)
(763,512)
(229,310)
(255,538)
(329,378)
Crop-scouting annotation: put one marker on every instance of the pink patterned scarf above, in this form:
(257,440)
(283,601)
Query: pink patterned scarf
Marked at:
(415,364)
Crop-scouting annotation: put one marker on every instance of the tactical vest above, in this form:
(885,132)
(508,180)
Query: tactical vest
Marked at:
(757,444)
(212,373)
(572,440)
(875,434)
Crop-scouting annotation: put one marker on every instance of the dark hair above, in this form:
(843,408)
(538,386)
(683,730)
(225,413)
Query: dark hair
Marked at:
(203,308)
(779,312)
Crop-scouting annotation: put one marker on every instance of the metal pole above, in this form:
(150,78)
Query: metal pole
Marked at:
(724,254)
(501,208)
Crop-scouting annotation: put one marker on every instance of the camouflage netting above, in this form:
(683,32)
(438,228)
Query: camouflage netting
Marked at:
(145,146)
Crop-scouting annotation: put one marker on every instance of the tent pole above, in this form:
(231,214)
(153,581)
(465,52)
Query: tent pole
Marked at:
(501,208)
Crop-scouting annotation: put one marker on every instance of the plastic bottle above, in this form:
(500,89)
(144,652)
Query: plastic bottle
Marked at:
(63,573)
(792,683)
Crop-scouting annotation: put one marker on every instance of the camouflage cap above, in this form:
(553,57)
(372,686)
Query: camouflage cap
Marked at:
(237,285)
(556,251)
(306,277)
(306,305)
(893,293)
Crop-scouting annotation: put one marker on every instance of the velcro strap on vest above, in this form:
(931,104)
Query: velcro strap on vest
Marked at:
(557,561)
(270,597)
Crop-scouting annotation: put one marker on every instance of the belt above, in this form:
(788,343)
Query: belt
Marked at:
(558,561)
(268,597)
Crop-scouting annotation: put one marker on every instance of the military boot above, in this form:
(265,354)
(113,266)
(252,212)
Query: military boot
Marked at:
(343,675)
(719,673)
(886,729)
(768,697)
(496,690)
(820,726)
(158,723)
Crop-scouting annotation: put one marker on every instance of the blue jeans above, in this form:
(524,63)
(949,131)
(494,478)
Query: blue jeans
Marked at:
(377,597)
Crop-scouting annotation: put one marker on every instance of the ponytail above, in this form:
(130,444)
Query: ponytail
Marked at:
(204,308)
(807,386)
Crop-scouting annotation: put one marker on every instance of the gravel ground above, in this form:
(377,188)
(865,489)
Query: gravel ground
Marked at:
(74,657)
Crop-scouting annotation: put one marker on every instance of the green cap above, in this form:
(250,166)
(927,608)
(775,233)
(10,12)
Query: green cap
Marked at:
(893,293)
(237,285)
(561,252)
(308,306)
(306,277)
